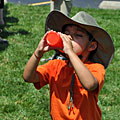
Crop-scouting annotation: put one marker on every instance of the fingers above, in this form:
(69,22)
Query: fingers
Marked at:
(67,42)
(67,39)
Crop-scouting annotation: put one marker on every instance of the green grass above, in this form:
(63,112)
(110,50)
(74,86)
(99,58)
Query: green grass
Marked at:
(23,29)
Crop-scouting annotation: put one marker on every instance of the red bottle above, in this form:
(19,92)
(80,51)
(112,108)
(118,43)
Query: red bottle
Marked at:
(53,39)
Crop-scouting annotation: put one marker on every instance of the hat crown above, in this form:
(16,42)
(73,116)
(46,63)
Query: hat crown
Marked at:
(84,18)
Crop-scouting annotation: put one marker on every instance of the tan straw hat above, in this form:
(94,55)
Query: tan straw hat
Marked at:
(104,54)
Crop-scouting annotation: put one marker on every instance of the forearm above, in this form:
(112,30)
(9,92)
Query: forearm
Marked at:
(29,74)
(85,76)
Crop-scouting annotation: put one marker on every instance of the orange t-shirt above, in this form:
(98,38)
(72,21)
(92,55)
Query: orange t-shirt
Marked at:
(58,75)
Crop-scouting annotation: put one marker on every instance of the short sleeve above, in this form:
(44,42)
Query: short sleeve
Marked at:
(98,72)
(46,72)
(42,72)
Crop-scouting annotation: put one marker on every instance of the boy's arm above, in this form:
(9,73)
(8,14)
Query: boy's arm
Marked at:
(30,75)
(85,76)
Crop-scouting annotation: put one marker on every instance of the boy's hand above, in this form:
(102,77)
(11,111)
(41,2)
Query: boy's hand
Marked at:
(43,46)
(67,43)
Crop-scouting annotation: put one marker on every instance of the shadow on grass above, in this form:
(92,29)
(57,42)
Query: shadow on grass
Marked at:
(4,33)
(3,44)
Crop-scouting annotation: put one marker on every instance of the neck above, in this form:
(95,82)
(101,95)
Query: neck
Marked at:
(85,57)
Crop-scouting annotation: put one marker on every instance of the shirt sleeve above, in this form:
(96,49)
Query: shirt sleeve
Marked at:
(46,72)
(98,71)
(44,75)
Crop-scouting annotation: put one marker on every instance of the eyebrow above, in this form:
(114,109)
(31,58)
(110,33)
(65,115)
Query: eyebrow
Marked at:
(82,30)
(78,28)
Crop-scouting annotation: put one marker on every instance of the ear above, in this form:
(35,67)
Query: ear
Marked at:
(92,46)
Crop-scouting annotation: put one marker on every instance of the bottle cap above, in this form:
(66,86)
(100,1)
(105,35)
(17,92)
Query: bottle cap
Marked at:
(54,40)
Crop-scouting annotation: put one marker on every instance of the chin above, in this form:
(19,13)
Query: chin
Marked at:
(78,52)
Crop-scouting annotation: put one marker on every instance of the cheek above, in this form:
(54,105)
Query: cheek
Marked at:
(78,48)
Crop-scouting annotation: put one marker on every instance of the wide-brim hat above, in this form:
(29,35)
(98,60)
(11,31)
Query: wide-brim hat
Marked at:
(104,54)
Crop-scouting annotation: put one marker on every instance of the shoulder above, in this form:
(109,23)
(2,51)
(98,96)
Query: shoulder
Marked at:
(57,62)
(94,66)
(96,69)
(52,64)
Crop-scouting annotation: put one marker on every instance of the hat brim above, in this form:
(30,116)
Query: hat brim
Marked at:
(104,54)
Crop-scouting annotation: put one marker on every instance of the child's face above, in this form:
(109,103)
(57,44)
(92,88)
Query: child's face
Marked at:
(79,36)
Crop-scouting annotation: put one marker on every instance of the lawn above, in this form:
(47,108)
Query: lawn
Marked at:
(24,29)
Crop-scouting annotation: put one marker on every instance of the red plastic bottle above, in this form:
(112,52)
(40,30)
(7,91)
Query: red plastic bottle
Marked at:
(53,39)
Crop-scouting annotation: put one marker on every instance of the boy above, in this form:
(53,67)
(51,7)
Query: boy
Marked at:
(74,83)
